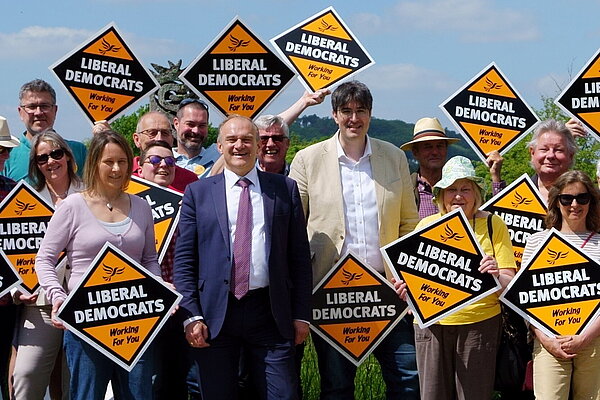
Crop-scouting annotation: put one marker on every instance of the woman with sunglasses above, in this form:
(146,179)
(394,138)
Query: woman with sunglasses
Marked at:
(82,224)
(52,171)
(565,361)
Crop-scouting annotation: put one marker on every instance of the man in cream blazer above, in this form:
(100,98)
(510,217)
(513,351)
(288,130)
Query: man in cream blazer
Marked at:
(357,195)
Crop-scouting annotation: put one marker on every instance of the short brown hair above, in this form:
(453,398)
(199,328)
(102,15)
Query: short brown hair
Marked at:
(554,217)
(97,145)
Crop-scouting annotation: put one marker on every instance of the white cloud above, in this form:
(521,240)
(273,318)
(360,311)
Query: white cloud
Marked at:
(406,77)
(36,42)
(479,21)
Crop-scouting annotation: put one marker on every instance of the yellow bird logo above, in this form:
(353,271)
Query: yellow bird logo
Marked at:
(520,200)
(23,207)
(556,255)
(491,85)
(327,27)
(108,48)
(350,276)
(450,235)
(237,43)
(110,272)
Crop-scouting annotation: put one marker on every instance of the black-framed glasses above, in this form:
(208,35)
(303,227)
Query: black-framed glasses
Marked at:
(152,133)
(5,150)
(187,101)
(55,154)
(275,138)
(581,198)
(156,160)
(31,108)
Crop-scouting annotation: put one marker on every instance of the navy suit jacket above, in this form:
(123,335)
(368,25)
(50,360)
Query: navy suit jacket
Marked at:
(203,261)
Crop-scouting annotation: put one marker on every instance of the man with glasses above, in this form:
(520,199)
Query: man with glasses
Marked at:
(191,125)
(153,126)
(37,109)
(274,141)
(357,196)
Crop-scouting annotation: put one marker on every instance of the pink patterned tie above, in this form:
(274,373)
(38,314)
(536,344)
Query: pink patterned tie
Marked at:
(242,243)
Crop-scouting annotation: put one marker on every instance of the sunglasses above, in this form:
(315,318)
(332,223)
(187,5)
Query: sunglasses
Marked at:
(581,198)
(187,101)
(156,160)
(42,159)
(275,138)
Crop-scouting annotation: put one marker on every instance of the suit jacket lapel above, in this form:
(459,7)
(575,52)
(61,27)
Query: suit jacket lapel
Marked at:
(379,175)
(268,196)
(220,203)
(332,172)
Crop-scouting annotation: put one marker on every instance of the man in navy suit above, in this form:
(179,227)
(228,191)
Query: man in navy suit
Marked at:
(270,315)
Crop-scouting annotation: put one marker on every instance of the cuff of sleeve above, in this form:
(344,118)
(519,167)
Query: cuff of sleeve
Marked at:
(190,320)
(301,320)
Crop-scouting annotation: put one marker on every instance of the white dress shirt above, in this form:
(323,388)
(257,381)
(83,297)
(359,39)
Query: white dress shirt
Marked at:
(259,271)
(360,207)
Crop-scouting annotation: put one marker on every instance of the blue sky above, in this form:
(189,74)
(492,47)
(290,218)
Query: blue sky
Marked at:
(424,49)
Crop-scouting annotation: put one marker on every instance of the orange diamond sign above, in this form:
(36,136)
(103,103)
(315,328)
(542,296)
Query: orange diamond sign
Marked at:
(557,290)
(237,72)
(103,75)
(24,217)
(323,50)
(489,112)
(354,308)
(439,264)
(521,207)
(118,307)
(164,203)
(581,97)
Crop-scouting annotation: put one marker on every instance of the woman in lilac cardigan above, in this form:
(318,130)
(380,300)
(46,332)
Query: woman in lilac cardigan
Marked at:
(82,224)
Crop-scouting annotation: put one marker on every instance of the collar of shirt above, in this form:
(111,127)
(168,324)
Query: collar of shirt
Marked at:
(231,179)
(342,155)
(424,185)
(180,157)
(24,141)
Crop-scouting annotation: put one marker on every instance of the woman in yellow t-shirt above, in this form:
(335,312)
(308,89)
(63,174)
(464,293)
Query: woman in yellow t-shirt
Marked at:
(456,357)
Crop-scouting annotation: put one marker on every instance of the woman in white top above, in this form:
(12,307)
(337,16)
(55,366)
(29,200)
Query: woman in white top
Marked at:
(569,363)
(52,171)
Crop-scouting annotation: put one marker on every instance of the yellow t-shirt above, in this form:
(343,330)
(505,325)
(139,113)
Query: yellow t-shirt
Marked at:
(489,306)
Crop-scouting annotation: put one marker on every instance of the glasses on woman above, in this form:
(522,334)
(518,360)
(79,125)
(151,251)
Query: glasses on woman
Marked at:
(56,154)
(156,160)
(581,198)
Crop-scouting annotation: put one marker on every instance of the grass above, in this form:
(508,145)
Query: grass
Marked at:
(368,382)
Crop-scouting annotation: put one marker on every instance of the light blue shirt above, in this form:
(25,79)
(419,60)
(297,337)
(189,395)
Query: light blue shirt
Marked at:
(200,164)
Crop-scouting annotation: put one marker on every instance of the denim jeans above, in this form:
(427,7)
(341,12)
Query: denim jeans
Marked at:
(91,371)
(396,356)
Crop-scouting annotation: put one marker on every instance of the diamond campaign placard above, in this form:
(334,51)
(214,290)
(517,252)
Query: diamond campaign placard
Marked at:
(24,218)
(165,204)
(581,97)
(323,50)
(439,264)
(237,72)
(558,290)
(103,75)
(8,276)
(354,308)
(118,307)
(523,210)
(489,112)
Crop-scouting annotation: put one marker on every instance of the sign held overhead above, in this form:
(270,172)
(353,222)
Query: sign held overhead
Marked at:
(323,50)
(581,97)
(237,72)
(103,75)
(489,112)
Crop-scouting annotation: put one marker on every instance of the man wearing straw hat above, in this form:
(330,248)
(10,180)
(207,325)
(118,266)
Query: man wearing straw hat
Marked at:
(430,148)
(8,311)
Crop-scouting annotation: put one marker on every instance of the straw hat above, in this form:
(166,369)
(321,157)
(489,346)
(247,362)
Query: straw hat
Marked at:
(456,168)
(427,129)
(6,139)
